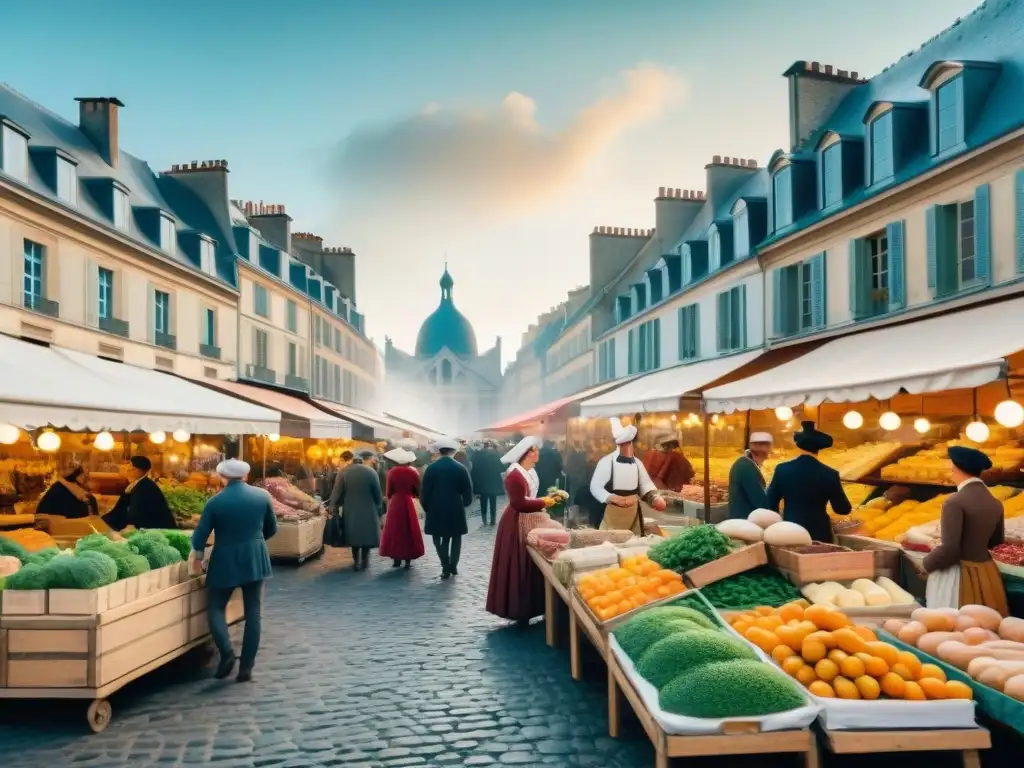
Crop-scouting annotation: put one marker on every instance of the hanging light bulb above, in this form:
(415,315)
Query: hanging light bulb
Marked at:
(1010,414)
(889,421)
(673,417)
(853,420)
(784,413)
(977,432)
(158,437)
(714,419)
(9,434)
(922,425)
(104,442)
(48,441)
(181,436)
(273,437)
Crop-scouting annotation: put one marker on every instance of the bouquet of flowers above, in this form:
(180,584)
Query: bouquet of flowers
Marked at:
(558,494)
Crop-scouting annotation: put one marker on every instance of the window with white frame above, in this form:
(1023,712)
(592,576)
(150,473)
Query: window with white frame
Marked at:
(162,312)
(878,255)
(714,250)
(207,259)
(741,233)
(67,181)
(293,317)
(806,293)
(105,297)
(689,332)
(260,300)
(210,327)
(967,265)
(34,273)
(168,234)
(15,153)
(732,319)
(121,208)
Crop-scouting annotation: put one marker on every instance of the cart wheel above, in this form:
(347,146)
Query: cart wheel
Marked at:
(98,715)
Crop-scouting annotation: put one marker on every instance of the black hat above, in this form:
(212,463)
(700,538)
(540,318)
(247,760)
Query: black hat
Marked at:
(969,460)
(141,463)
(810,439)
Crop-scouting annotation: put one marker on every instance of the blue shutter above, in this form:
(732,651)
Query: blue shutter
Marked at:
(723,321)
(983,233)
(741,296)
(933,125)
(819,309)
(932,245)
(860,286)
(657,343)
(1019,197)
(778,312)
(894,233)
(633,352)
(611,358)
(695,329)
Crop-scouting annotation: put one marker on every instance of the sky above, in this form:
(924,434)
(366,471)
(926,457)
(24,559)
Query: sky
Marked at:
(492,136)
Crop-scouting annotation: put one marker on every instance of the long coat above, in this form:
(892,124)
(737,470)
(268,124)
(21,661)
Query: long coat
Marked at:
(445,493)
(241,519)
(807,487)
(486,473)
(549,467)
(358,494)
(144,507)
(746,488)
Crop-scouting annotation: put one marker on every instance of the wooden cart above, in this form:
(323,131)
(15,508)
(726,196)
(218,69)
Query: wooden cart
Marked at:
(296,541)
(90,657)
(736,738)
(554,592)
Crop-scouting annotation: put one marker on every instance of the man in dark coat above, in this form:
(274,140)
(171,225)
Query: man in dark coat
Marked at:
(358,494)
(142,504)
(746,478)
(487,481)
(806,486)
(549,467)
(445,493)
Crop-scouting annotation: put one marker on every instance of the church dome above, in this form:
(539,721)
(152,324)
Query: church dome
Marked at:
(446,327)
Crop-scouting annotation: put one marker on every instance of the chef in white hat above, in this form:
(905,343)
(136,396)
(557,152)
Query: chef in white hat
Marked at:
(620,481)
(746,477)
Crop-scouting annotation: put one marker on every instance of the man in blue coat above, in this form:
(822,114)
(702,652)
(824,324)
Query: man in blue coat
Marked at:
(241,519)
(445,493)
(806,486)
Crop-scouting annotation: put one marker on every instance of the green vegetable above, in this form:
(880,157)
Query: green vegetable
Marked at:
(11,548)
(185,502)
(132,565)
(676,611)
(641,632)
(154,546)
(106,562)
(119,552)
(678,654)
(695,603)
(29,576)
(738,688)
(89,570)
(43,556)
(180,540)
(761,586)
(694,547)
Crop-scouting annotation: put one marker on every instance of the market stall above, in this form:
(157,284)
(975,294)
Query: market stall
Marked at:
(551,418)
(377,426)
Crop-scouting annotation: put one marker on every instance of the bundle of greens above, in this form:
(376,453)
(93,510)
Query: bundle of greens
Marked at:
(154,546)
(180,540)
(185,502)
(30,576)
(761,586)
(13,549)
(43,556)
(740,687)
(696,546)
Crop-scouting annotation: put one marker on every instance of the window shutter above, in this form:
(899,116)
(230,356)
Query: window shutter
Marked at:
(681,332)
(92,294)
(255,346)
(947,273)
(631,350)
(983,232)
(657,343)
(932,245)
(819,309)
(151,315)
(723,321)
(933,125)
(611,358)
(859,283)
(695,329)
(741,296)
(894,233)
(778,307)
(1019,197)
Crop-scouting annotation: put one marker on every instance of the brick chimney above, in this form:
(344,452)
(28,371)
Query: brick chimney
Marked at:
(611,249)
(674,210)
(97,119)
(815,90)
(272,222)
(208,180)
(725,175)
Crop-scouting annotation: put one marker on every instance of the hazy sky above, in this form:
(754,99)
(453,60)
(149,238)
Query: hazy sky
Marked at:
(493,134)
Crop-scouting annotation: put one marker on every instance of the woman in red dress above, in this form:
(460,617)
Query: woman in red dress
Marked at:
(402,539)
(516,589)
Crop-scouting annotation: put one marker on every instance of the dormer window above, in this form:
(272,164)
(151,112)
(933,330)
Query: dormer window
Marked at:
(14,149)
(168,234)
(640,296)
(695,260)
(121,208)
(623,308)
(720,245)
(207,255)
(840,167)
(782,197)
(741,232)
(67,180)
(959,91)
(832,175)
(658,281)
(881,165)
(714,249)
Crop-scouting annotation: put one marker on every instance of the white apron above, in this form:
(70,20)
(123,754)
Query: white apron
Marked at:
(943,590)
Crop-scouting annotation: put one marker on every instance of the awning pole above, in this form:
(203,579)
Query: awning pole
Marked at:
(264,457)
(707,460)
(746,431)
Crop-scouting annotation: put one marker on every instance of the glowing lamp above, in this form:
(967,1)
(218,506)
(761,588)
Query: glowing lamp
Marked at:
(48,441)
(273,437)
(158,437)
(181,436)
(9,434)
(1010,414)
(922,425)
(889,421)
(853,420)
(104,442)
(977,432)
(784,413)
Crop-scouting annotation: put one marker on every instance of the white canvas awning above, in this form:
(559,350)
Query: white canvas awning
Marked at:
(298,417)
(961,350)
(661,390)
(48,386)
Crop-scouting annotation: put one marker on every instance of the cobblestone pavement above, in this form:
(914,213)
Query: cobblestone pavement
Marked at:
(382,668)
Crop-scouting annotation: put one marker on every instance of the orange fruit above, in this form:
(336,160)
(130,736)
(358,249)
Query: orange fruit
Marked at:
(676,588)
(805,675)
(601,601)
(873,665)
(790,636)
(931,670)
(792,664)
(838,655)
(864,632)
(764,610)
(911,662)
(664,591)
(845,688)
(957,690)
(822,689)
(781,652)
(933,687)
(852,667)
(893,685)
(825,618)
(868,687)
(825,638)
(605,614)
(771,623)
(888,653)
(625,606)
(791,611)
(615,596)
(913,692)
(762,638)
(850,641)
(826,670)
(903,671)
(813,651)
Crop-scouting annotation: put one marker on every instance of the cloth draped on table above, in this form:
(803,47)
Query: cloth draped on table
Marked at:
(516,587)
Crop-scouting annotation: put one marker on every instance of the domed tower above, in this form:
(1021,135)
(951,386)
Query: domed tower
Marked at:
(446,327)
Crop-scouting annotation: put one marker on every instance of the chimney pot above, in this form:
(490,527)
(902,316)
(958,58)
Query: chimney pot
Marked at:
(679,192)
(854,75)
(716,159)
(727,160)
(97,119)
(842,73)
(661,191)
(195,164)
(815,66)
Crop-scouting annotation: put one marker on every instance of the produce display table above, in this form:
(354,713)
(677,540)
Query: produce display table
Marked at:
(552,588)
(580,618)
(966,741)
(738,738)
(90,657)
(297,540)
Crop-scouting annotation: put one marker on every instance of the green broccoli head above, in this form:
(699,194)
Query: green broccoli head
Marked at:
(89,570)
(29,576)
(682,612)
(162,555)
(737,688)
(640,633)
(132,565)
(680,653)
(43,556)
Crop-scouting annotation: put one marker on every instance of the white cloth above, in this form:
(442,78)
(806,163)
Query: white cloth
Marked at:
(519,450)
(532,481)
(943,589)
(621,434)
(446,443)
(761,437)
(233,469)
(968,481)
(623,477)
(400,456)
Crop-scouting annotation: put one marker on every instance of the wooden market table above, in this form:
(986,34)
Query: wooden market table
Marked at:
(553,589)
(967,741)
(736,739)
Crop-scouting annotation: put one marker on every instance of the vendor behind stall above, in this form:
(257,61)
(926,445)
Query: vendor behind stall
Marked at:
(68,497)
(807,486)
(142,504)
(746,477)
(674,470)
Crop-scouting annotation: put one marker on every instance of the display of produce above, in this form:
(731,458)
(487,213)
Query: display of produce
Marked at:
(741,530)
(570,562)
(615,591)
(155,547)
(785,534)
(589,537)
(974,639)
(12,548)
(644,630)
(916,522)
(695,492)
(761,586)
(185,501)
(289,502)
(29,538)
(858,493)
(739,688)
(931,465)
(548,541)
(693,547)
(833,658)
(883,592)
(1010,553)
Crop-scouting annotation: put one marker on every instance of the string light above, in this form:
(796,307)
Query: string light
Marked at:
(977,432)
(1010,414)
(104,442)
(273,437)
(158,437)
(48,441)
(853,420)
(889,421)
(9,434)
(181,436)
(784,413)
(922,425)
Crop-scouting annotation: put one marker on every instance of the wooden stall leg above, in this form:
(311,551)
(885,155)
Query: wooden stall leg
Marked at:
(550,630)
(972,758)
(661,759)
(812,757)
(575,659)
(614,700)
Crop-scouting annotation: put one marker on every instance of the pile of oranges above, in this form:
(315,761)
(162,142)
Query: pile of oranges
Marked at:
(833,658)
(638,581)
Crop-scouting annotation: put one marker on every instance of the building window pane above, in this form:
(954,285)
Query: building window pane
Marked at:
(15,154)
(806,292)
(122,209)
(948,113)
(293,359)
(210,327)
(162,305)
(965,242)
(832,175)
(260,300)
(35,282)
(741,234)
(782,197)
(105,300)
(293,316)
(67,181)
(881,148)
(168,235)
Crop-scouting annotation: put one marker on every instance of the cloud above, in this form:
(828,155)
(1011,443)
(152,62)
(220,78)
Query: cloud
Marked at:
(449,163)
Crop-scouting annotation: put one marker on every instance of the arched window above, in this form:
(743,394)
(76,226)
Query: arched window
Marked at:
(446,371)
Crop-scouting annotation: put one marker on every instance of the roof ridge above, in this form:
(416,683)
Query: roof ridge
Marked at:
(956,23)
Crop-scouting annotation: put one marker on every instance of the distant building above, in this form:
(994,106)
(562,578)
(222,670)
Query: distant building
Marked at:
(446,382)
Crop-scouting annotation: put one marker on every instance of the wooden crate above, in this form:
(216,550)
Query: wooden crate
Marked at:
(888,556)
(297,539)
(823,566)
(743,559)
(15,602)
